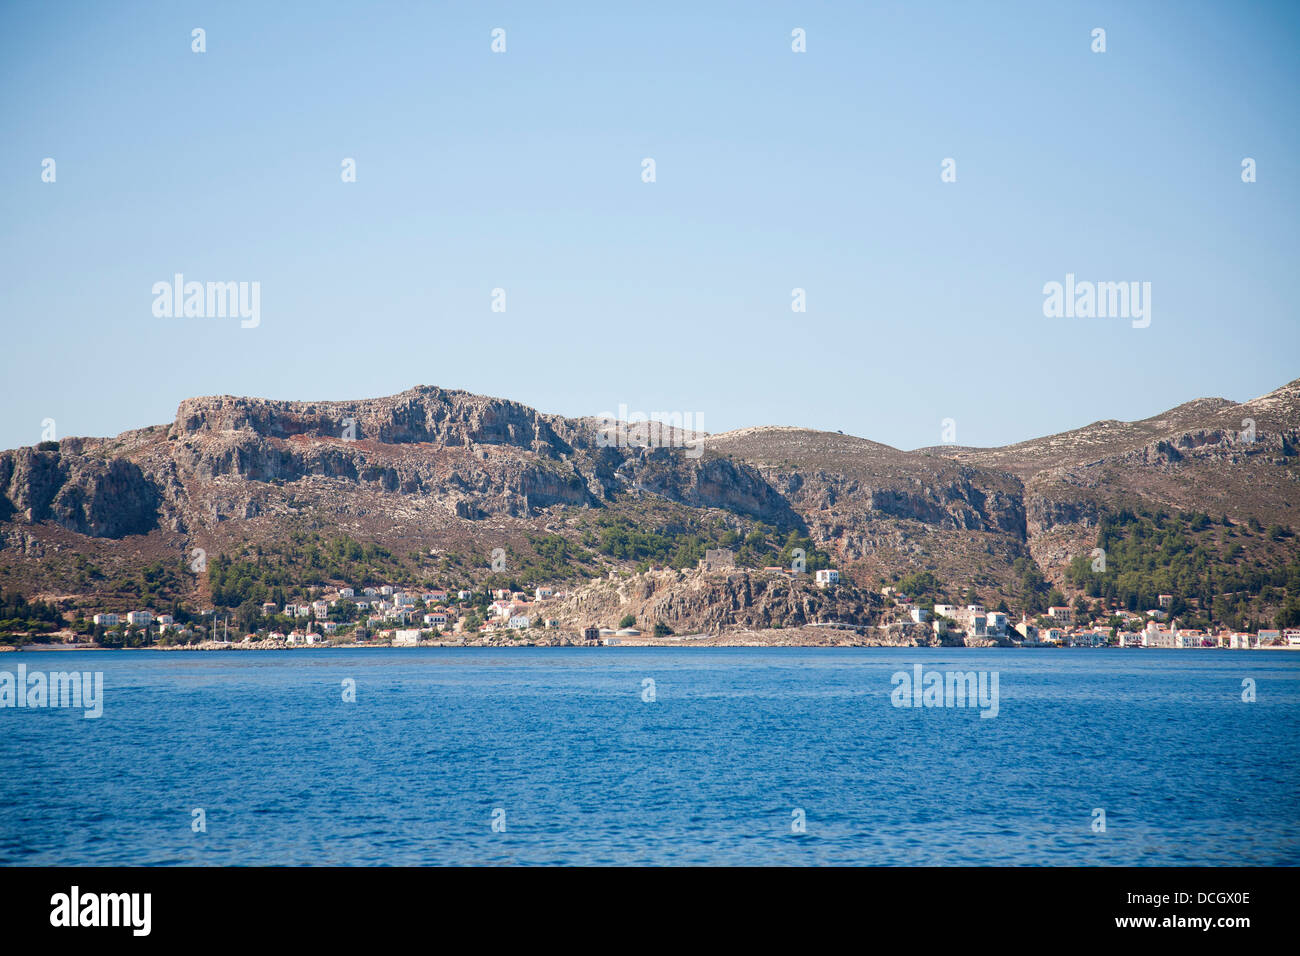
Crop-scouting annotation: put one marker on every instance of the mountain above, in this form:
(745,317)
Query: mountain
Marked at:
(268,498)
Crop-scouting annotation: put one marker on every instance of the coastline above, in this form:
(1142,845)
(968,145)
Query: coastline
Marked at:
(787,637)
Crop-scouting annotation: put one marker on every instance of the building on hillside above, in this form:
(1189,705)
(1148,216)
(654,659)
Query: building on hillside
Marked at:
(827,577)
(1165,601)
(1062,615)
(106,620)
(142,618)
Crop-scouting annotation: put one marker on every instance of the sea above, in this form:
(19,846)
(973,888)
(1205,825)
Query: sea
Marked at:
(623,756)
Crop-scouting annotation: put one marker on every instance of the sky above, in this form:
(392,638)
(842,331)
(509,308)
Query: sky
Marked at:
(774,170)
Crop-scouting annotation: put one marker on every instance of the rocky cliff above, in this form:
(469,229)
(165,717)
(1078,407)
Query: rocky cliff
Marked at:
(438,471)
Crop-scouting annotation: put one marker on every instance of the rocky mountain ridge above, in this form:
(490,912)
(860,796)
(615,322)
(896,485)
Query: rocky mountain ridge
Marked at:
(432,470)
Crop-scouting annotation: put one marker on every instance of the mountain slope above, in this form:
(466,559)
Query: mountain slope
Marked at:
(424,485)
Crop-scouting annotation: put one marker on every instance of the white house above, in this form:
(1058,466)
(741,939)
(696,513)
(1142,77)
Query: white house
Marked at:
(827,577)
(144,618)
(518,622)
(108,620)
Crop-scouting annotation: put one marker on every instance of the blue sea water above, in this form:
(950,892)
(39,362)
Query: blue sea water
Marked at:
(562,745)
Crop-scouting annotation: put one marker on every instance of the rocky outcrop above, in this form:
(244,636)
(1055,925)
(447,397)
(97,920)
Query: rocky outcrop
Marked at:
(710,601)
(89,495)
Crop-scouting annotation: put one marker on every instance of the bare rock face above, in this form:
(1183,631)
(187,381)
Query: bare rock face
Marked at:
(711,601)
(422,415)
(433,467)
(89,495)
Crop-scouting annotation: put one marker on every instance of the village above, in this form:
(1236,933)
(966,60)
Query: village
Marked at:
(391,615)
(384,614)
(1058,628)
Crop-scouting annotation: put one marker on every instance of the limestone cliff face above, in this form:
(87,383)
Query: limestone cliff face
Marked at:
(480,457)
(89,495)
(425,414)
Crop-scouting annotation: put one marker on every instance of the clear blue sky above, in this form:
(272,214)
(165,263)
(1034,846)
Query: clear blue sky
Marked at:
(775,170)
